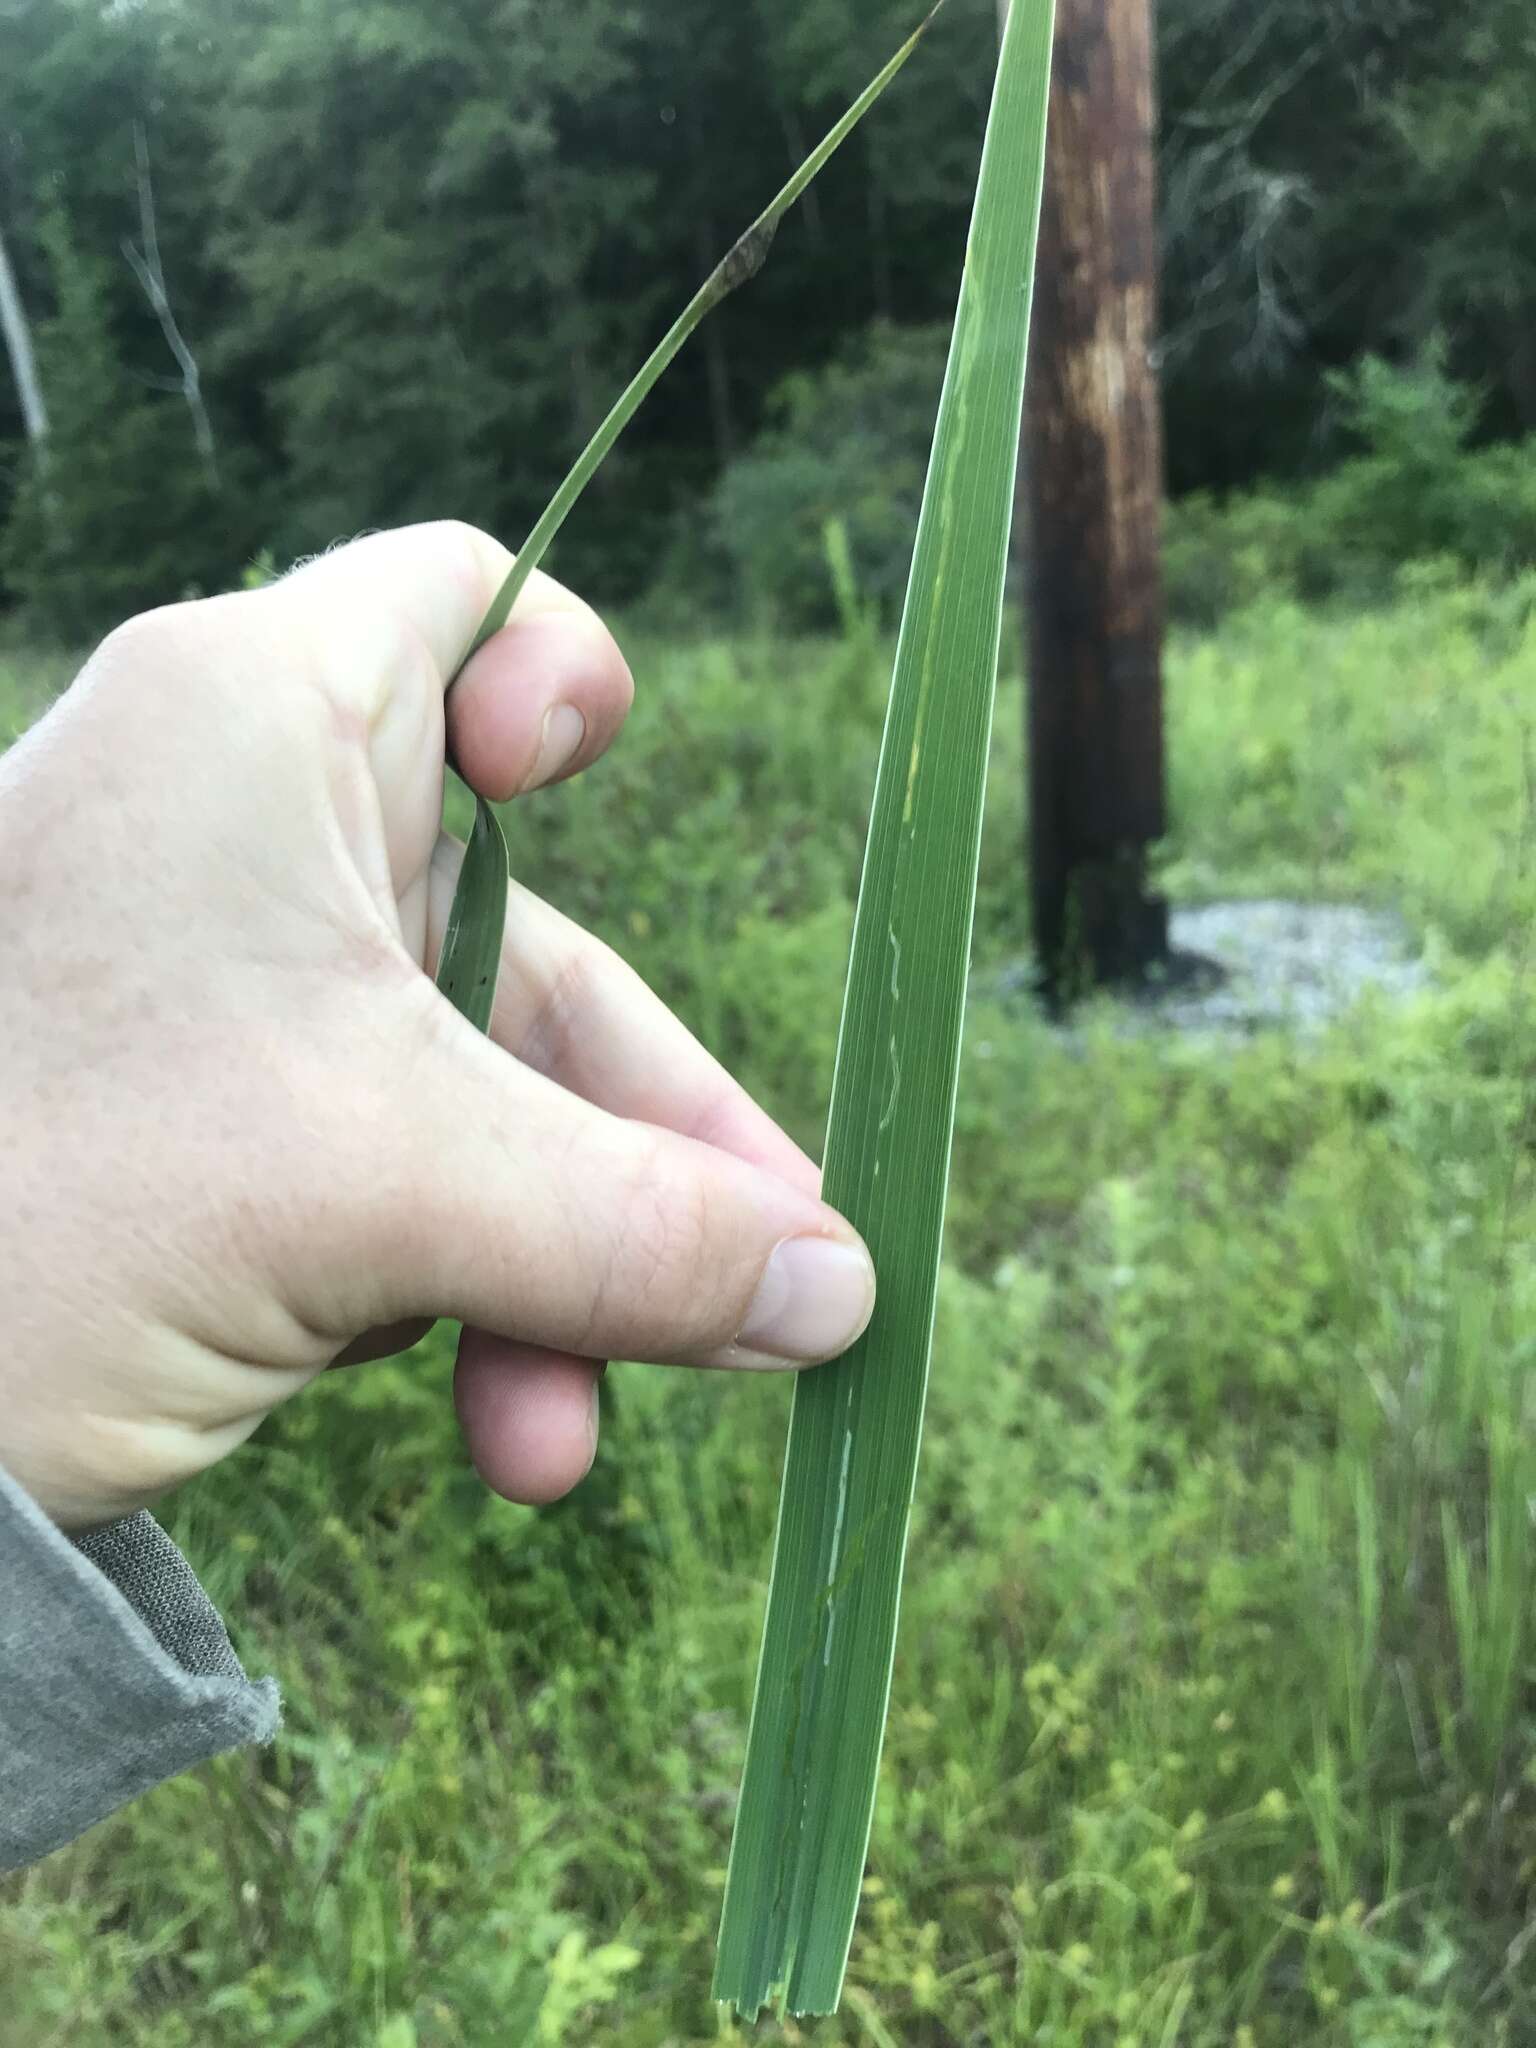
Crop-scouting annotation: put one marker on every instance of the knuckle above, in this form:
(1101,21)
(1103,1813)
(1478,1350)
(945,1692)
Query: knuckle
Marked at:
(216,663)
(460,533)
(658,1282)
(151,647)
(468,553)
(573,989)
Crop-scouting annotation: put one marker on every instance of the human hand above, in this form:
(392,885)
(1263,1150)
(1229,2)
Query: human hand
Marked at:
(241,1133)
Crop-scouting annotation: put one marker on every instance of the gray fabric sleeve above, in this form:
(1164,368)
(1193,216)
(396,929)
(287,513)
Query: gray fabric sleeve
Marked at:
(115,1673)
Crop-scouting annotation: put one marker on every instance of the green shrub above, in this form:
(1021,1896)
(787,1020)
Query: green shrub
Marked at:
(1220,554)
(846,443)
(1417,491)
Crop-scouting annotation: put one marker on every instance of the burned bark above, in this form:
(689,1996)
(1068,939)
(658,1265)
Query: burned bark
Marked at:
(1092,492)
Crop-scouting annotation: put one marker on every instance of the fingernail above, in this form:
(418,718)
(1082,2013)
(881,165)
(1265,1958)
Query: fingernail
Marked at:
(814,1298)
(564,731)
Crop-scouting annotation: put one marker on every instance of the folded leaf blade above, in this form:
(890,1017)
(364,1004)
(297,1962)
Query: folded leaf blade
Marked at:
(471,954)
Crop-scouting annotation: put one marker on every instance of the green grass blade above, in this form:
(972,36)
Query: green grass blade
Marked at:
(471,955)
(485,862)
(802,1828)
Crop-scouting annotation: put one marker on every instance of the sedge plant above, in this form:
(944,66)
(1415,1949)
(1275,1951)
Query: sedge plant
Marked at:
(823,1684)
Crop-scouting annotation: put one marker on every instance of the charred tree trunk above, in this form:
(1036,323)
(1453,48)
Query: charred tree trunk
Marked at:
(1092,490)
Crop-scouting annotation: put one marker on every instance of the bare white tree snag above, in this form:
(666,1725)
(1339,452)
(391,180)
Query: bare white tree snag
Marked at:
(144,261)
(18,345)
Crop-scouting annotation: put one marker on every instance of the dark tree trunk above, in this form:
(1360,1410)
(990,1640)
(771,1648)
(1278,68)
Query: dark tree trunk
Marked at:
(879,232)
(796,150)
(1092,490)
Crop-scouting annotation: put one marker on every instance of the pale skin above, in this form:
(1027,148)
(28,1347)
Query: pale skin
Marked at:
(242,1137)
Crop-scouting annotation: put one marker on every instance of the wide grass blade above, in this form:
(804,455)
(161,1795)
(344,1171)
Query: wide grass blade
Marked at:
(802,1828)
(479,902)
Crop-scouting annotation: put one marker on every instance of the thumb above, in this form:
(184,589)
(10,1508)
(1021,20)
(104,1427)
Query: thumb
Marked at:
(536,1216)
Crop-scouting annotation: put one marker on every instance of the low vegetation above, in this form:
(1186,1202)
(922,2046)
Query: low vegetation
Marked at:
(1213,1709)
(848,446)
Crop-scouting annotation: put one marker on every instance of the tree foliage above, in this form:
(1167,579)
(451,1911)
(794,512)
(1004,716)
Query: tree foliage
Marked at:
(415,249)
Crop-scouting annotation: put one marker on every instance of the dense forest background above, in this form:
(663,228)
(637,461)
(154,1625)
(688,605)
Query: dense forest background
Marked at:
(415,250)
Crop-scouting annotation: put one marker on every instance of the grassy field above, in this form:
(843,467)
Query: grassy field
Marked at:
(1214,1721)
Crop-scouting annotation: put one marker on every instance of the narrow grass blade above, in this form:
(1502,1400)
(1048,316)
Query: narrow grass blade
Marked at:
(802,1829)
(740,263)
(471,955)
(479,879)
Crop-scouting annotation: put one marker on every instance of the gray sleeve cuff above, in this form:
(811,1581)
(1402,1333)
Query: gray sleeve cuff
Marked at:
(115,1673)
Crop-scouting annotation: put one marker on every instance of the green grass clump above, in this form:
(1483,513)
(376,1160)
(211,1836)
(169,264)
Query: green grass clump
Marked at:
(1213,1719)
